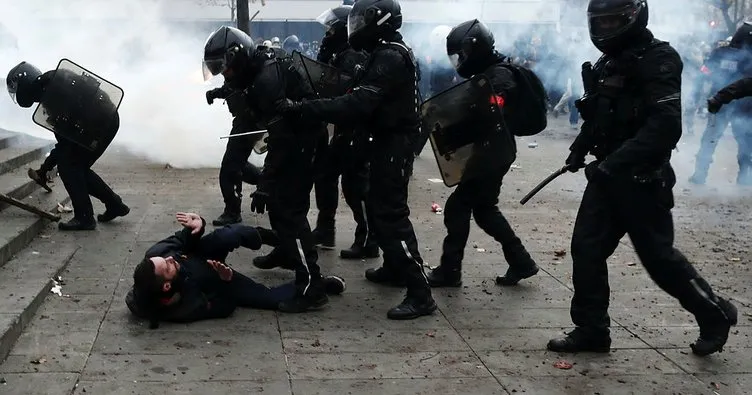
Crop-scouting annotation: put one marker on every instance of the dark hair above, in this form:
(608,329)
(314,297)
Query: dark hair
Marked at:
(147,287)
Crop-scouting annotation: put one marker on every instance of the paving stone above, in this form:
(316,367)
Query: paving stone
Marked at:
(726,383)
(513,317)
(70,303)
(37,383)
(164,341)
(595,383)
(469,386)
(535,339)
(61,342)
(385,341)
(234,387)
(538,292)
(681,337)
(730,361)
(66,322)
(385,365)
(45,362)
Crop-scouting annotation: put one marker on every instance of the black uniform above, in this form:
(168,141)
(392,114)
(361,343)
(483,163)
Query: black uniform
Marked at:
(632,113)
(235,168)
(74,162)
(343,155)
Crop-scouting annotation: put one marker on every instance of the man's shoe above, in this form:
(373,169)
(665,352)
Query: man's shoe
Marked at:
(441,277)
(111,213)
(76,224)
(360,252)
(412,308)
(334,285)
(697,179)
(303,303)
(512,276)
(384,276)
(40,178)
(227,218)
(579,340)
(714,336)
(323,239)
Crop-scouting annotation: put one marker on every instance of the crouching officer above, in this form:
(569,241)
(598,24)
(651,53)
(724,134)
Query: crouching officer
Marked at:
(183,278)
(383,104)
(27,85)
(470,47)
(235,168)
(343,155)
(632,113)
(287,177)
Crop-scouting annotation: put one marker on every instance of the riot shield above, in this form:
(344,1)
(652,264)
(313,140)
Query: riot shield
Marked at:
(80,106)
(325,80)
(453,119)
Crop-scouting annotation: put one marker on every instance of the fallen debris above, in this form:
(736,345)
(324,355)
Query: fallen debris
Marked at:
(436,208)
(38,361)
(560,253)
(734,259)
(563,365)
(532,145)
(61,208)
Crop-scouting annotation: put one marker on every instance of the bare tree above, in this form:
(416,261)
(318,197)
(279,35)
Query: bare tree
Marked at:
(733,11)
(233,5)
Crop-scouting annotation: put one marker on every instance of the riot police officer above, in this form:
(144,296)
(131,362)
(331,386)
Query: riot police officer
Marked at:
(291,43)
(632,113)
(470,46)
(287,179)
(235,168)
(342,154)
(383,103)
(27,85)
(727,64)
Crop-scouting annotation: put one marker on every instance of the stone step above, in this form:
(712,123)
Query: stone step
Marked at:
(17,156)
(8,139)
(25,281)
(17,184)
(19,227)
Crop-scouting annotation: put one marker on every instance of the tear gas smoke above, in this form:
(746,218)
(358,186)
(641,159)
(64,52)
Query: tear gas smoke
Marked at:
(164,114)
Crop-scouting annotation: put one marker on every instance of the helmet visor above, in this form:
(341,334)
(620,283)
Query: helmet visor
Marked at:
(605,25)
(12,85)
(327,19)
(213,67)
(355,23)
(455,60)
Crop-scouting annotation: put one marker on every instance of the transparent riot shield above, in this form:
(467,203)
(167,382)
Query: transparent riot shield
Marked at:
(325,80)
(457,118)
(80,106)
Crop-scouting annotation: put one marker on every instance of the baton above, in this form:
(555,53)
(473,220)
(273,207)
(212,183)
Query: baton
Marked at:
(543,184)
(243,134)
(254,16)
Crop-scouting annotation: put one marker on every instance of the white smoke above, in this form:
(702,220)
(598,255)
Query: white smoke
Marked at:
(164,114)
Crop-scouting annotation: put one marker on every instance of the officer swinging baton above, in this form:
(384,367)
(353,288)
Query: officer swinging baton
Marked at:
(242,134)
(543,184)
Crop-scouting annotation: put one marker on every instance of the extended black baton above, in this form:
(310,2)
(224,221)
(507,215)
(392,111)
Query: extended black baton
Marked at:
(543,184)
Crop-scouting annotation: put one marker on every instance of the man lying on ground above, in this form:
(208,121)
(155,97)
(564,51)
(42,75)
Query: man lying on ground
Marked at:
(183,278)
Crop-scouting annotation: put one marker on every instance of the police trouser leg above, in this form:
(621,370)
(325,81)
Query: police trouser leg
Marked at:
(457,213)
(713,132)
(596,235)
(288,209)
(234,162)
(355,191)
(388,190)
(73,166)
(645,211)
(326,183)
(743,136)
(98,188)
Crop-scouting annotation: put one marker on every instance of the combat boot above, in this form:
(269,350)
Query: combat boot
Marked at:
(445,277)
(77,224)
(273,260)
(314,298)
(114,211)
(581,340)
(385,276)
(228,218)
(41,178)
(334,285)
(323,238)
(359,252)
(412,307)
(713,336)
(513,276)
(521,266)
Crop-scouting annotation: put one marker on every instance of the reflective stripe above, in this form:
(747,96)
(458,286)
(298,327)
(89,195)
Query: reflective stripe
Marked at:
(305,264)
(410,256)
(365,218)
(672,97)
(368,88)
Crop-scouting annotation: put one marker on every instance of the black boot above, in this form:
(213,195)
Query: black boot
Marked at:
(513,276)
(323,238)
(580,340)
(314,298)
(110,213)
(77,224)
(360,252)
(385,276)
(334,285)
(412,307)
(268,236)
(273,260)
(227,218)
(713,336)
(41,178)
(443,277)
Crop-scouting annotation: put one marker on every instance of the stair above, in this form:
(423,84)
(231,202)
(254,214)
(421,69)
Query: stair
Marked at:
(25,274)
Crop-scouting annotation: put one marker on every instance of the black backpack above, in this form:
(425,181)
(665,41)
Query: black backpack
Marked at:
(527,112)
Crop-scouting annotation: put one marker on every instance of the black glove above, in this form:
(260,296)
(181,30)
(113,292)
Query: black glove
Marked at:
(714,105)
(258,204)
(575,161)
(288,106)
(210,96)
(596,172)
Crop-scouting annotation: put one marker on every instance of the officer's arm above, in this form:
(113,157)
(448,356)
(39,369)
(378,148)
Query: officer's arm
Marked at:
(385,73)
(737,90)
(661,77)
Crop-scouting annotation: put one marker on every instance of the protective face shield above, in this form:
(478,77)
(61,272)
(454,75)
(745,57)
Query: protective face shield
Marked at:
(275,42)
(612,23)
(454,59)
(327,19)
(19,77)
(222,49)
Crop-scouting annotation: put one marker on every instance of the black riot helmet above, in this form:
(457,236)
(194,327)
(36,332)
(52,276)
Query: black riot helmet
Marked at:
(335,20)
(372,20)
(469,46)
(227,51)
(743,37)
(615,23)
(291,43)
(19,82)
